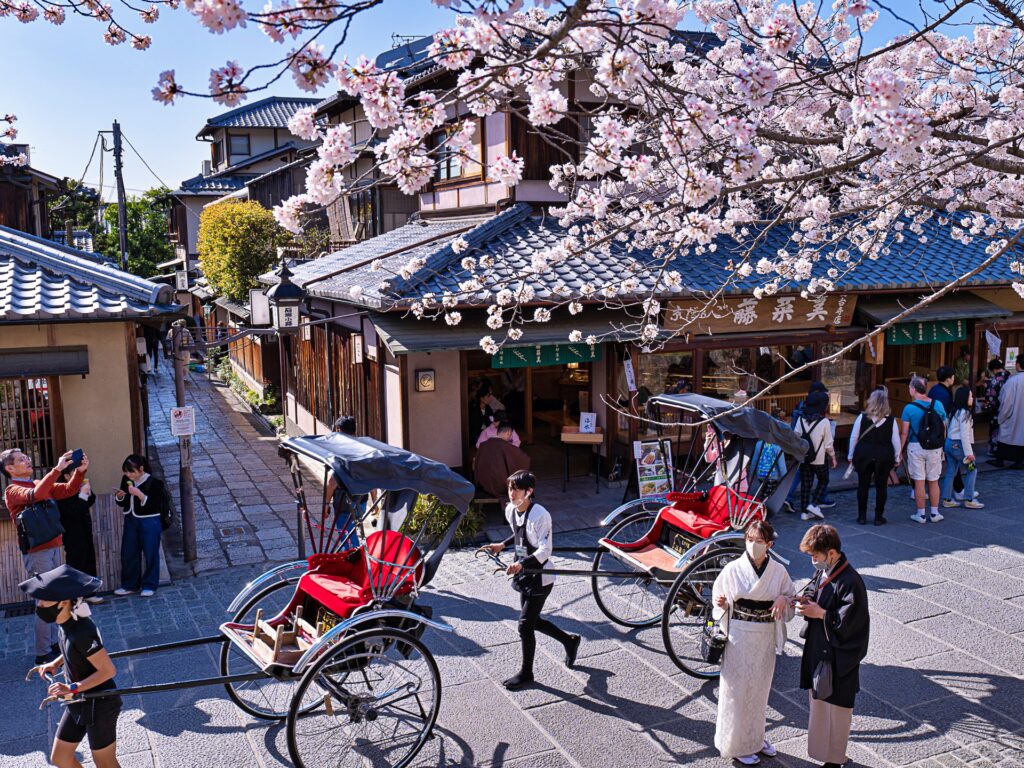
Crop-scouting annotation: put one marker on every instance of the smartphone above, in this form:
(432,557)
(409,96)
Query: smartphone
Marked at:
(76,458)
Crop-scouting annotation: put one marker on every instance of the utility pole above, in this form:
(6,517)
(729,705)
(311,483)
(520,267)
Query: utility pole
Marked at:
(122,213)
(188,509)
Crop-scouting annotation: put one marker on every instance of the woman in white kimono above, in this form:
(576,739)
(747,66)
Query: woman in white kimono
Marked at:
(752,597)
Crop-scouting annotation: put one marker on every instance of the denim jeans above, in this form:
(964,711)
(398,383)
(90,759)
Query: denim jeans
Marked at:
(41,562)
(141,539)
(955,460)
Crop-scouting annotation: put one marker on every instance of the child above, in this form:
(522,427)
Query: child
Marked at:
(60,597)
(532,537)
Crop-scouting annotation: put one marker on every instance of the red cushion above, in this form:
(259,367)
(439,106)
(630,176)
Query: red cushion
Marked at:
(338,594)
(392,550)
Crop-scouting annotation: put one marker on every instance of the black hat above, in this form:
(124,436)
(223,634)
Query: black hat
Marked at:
(817,386)
(816,402)
(61,583)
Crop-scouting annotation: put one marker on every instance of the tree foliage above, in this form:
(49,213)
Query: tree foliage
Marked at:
(237,242)
(78,202)
(148,241)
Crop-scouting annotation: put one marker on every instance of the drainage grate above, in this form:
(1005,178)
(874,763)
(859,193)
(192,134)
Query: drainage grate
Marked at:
(14,611)
(233,532)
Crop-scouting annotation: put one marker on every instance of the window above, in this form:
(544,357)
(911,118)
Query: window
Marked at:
(239,145)
(217,153)
(449,162)
(27,421)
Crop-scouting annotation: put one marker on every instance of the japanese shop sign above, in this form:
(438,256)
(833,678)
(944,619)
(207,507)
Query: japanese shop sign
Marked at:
(771,313)
(545,354)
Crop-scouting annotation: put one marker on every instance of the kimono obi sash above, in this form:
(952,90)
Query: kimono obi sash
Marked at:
(753,610)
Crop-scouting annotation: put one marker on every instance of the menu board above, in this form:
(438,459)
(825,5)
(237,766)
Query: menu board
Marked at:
(653,466)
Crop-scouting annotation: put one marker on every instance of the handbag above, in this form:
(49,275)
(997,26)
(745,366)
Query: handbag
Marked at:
(713,641)
(38,523)
(821,684)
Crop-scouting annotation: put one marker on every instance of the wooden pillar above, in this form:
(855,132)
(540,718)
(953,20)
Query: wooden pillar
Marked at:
(528,406)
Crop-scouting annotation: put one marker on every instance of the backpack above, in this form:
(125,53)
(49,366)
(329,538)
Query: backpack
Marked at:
(932,432)
(812,449)
(38,523)
(766,462)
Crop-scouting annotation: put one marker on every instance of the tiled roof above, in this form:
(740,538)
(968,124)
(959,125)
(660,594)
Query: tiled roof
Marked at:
(271,112)
(211,185)
(42,281)
(82,239)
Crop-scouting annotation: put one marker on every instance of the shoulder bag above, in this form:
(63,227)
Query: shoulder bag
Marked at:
(38,523)
(821,684)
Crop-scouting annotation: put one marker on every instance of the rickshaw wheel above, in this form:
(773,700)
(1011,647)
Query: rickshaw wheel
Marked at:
(688,607)
(635,601)
(372,699)
(267,698)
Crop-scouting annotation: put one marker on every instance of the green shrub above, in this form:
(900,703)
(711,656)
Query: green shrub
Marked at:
(430,512)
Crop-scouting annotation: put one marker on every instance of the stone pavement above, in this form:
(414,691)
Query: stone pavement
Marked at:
(942,685)
(245,509)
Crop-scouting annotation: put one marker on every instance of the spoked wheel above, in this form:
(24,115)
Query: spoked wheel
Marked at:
(688,607)
(635,601)
(371,700)
(267,698)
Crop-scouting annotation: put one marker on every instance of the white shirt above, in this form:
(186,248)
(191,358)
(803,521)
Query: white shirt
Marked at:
(820,436)
(855,435)
(961,427)
(131,499)
(538,534)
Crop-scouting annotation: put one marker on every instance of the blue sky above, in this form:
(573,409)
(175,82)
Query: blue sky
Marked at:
(69,84)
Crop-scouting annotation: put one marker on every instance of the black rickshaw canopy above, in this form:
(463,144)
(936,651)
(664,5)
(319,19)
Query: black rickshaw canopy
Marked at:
(363,464)
(746,422)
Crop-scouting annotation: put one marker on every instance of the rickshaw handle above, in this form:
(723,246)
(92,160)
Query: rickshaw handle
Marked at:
(658,498)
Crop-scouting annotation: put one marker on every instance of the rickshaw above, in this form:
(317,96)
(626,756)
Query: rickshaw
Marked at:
(663,552)
(332,644)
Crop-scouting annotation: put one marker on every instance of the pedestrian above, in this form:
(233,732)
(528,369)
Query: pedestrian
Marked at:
(533,540)
(794,492)
(753,600)
(76,517)
(1011,419)
(923,436)
(60,596)
(145,502)
(997,376)
(836,633)
(960,451)
(874,451)
(152,338)
(21,493)
(814,469)
(962,367)
(942,390)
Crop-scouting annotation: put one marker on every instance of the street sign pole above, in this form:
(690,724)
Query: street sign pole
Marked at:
(188,511)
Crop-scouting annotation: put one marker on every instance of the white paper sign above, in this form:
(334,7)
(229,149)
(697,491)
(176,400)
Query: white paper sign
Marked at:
(181,280)
(994,344)
(627,366)
(183,421)
(588,423)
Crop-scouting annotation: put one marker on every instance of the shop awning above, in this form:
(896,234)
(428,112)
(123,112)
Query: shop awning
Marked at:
(960,306)
(405,334)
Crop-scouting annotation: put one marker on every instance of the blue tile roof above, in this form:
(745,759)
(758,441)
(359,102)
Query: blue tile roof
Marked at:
(42,281)
(271,112)
(211,185)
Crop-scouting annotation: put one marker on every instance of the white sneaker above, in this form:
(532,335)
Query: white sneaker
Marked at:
(121,591)
(816,511)
(954,502)
(958,495)
(917,517)
(768,749)
(806,516)
(974,505)
(94,600)
(147,593)
(748,760)
(937,518)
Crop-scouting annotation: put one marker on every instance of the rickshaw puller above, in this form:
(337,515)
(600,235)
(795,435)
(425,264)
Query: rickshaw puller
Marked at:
(532,537)
(60,597)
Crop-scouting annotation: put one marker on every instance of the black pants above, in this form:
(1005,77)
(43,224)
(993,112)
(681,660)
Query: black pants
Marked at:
(530,622)
(875,473)
(79,551)
(808,474)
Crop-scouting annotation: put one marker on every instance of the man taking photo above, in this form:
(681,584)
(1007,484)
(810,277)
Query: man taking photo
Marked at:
(23,492)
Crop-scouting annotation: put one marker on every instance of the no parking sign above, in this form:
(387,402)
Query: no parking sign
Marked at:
(183,421)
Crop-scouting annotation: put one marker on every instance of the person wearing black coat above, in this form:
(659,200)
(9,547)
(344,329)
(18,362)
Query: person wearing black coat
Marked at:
(835,607)
(76,517)
(145,501)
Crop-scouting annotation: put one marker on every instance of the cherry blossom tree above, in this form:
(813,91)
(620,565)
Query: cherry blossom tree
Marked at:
(776,119)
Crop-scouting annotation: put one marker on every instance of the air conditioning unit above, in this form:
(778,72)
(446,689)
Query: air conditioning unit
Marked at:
(207,168)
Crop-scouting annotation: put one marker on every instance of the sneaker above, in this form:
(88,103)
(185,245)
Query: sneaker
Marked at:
(806,516)
(787,507)
(827,503)
(94,600)
(815,511)
(147,593)
(768,749)
(121,591)
(917,517)
(976,495)
(748,760)
(974,504)
(937,518)
(950,502)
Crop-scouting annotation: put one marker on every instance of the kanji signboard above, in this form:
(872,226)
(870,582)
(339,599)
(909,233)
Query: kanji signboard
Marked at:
(926,332)
(771,313)
(545,354)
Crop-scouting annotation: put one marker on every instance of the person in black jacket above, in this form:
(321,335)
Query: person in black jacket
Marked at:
(835,606)
(76,517)
(144,500)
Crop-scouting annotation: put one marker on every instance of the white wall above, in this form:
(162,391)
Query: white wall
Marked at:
(393,405)
(435,418)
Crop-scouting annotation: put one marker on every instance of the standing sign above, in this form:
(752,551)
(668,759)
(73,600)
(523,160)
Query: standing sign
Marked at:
(181,279)
(1011,357)
(588,423)
(183,421)
(653,466)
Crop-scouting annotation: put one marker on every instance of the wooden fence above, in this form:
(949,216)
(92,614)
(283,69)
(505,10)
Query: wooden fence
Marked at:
(107,524)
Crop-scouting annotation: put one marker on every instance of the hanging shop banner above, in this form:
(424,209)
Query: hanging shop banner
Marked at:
(545,354)
(771,313)
(926,332)
(653,466)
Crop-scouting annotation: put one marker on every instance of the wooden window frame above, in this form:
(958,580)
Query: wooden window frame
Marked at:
(475,174)
(231,145)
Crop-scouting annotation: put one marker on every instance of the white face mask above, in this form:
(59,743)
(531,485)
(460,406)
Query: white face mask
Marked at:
(756,549)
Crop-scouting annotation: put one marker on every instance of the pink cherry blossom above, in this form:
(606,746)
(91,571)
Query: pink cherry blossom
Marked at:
(225,84)
(508,169)
(310,68)
(303,124)
(167,90)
